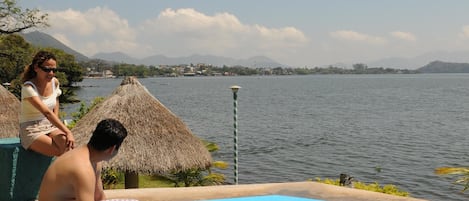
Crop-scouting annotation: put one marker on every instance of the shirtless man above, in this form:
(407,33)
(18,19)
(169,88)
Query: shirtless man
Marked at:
(76,175)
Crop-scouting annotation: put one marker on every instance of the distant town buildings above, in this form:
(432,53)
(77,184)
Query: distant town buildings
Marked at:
(103,74)
(202,69)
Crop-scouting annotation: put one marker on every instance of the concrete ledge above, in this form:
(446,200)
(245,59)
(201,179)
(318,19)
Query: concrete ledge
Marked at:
(300,189)
(21,171)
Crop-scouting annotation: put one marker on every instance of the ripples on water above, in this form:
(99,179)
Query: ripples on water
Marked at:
(295,128)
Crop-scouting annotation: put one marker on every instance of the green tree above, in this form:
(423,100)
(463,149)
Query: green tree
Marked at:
(14,19)
(16,53)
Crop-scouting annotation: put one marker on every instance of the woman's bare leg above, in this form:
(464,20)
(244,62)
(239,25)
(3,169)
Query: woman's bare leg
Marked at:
(60,140)
(53,144)
(45,145)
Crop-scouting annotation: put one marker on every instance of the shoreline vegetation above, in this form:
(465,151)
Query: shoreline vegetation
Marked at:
(103,69)
(96,69)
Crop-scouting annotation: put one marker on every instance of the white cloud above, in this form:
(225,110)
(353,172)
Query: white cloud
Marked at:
(179,32)
(407,36)
(187,31)
(92,31)
(349,35)
(70,20)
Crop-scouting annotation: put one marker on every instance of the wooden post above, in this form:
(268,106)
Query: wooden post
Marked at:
(131,179)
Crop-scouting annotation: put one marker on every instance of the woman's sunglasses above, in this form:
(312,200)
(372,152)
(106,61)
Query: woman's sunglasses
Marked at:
(48,70)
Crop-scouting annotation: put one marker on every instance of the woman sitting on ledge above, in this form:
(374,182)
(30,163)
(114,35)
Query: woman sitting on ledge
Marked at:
(41,129)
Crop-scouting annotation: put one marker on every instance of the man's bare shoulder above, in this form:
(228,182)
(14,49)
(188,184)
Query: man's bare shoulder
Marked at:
(73,158)
(68,171)
(76,162)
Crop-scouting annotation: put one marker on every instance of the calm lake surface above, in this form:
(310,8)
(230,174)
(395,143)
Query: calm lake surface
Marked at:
(392,129)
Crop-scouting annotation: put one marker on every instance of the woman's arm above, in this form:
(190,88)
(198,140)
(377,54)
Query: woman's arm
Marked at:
(50,115)
(56,108)
(57,104)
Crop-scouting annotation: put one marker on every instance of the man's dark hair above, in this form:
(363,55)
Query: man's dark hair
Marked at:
(108,132)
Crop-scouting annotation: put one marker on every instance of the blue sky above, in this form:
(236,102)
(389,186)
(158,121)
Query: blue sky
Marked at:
(298,33)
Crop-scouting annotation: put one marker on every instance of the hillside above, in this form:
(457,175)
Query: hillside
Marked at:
(44,40)
(258,61)
(445,67)
(421,60)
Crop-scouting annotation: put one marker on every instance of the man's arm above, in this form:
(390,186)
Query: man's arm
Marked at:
(99,192)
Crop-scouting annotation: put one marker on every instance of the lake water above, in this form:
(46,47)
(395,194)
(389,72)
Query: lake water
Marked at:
(392,129)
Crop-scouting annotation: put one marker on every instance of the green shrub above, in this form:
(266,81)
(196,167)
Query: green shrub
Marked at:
(82,110)
(111,178)
(199,177)
(463,171)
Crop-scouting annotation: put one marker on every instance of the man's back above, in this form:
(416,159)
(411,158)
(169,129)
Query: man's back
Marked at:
(65,173)
(76,175)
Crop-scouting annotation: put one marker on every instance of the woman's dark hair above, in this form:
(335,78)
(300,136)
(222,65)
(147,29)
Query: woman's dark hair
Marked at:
(108,132)
(39,59)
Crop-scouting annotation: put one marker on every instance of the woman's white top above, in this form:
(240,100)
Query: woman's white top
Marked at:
(28,111)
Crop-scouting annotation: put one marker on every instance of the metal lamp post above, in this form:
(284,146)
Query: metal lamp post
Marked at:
(235,89)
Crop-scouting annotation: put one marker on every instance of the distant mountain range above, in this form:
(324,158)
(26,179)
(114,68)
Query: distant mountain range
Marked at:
(258,61)
(45,40)
(418,62)
(421,60)
(445,67)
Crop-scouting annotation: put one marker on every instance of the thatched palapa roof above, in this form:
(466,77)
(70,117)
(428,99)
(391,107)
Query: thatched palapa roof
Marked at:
(9,114)
(157,141)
